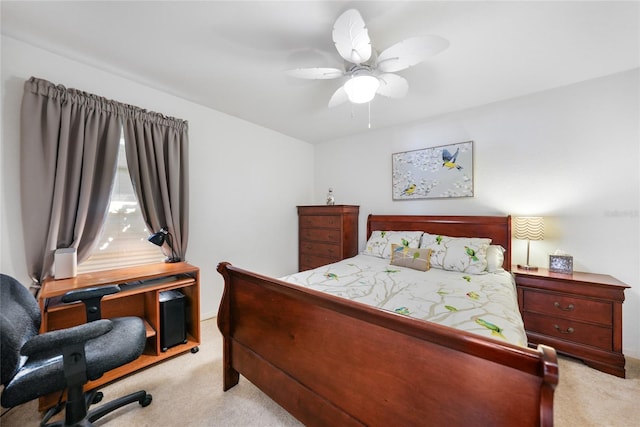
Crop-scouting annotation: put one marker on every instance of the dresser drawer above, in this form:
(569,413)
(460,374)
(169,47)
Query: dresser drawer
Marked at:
(568,307)
(577,332)
(321,249)
(320,235)
(312,261)
(326,221)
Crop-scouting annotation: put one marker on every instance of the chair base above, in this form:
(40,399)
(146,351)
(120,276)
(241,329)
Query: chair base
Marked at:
(142,397)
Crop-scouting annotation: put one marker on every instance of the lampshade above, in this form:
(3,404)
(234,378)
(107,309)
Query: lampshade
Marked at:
(158,238)
(529,228)
(361,88)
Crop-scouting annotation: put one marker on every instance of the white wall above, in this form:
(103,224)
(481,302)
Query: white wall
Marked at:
(243,188)
(569,154)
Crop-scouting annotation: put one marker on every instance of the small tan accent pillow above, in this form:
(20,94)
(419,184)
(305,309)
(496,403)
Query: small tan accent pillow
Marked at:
(418,259)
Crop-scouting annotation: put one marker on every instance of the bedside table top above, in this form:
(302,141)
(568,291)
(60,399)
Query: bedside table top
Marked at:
(577,276)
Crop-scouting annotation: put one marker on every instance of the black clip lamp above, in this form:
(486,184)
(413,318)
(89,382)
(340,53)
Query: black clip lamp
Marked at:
(159,238)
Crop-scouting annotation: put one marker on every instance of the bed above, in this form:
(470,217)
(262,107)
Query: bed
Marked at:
(329,360)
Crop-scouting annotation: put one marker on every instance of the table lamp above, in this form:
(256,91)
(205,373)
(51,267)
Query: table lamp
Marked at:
(159,238)
(528,228)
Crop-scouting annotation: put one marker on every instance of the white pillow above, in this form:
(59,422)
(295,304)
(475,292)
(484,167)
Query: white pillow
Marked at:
(379,244)
(495,258)
(464,254)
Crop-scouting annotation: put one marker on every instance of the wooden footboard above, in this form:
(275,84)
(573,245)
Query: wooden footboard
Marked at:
(331,361)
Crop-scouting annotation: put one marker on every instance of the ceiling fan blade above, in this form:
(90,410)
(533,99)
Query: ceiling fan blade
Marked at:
(392,85)
(351,37)
(338,97)
(315,73)
(409,52)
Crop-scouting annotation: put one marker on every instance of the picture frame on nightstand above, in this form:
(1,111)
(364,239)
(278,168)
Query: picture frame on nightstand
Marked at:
(561,264)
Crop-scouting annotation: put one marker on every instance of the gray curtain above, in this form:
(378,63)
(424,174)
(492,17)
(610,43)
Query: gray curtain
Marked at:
(158,161)
(69,147)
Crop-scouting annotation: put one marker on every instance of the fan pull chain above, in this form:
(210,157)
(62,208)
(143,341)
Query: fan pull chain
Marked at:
(353,113)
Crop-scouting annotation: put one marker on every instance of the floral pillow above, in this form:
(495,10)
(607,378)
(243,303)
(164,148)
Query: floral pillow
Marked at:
(417,258)
(464,254)
(379,244)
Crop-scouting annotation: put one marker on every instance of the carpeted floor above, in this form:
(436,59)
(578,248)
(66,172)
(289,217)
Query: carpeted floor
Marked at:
(187,391)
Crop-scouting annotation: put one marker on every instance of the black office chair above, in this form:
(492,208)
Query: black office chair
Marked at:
(36,365)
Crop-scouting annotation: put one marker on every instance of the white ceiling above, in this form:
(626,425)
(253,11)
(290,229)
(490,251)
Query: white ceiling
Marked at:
(230,55)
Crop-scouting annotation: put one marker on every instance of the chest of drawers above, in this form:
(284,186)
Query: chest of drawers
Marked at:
(326,234)
(578,314)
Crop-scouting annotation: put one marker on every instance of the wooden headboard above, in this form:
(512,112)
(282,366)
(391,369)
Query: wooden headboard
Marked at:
(497,228)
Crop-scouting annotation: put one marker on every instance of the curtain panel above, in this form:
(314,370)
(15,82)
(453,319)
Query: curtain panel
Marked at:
(157,158)
(69,146)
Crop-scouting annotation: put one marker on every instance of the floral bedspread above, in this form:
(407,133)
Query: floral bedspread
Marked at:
(485,304)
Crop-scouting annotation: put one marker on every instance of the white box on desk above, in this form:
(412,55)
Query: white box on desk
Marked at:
(65,263)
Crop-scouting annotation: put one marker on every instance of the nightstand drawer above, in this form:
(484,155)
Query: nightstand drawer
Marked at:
(577,332)
(568,307)
(320,249)
(320,234)
(326,221)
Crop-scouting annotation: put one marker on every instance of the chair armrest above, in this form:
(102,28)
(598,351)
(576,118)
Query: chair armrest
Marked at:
(90,293)
(92,298)
(57,340)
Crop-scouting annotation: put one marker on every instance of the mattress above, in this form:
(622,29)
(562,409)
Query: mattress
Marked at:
(485,304)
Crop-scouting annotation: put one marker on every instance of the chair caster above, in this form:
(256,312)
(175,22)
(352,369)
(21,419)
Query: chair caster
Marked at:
(146,400)
(97,398)
(194,350)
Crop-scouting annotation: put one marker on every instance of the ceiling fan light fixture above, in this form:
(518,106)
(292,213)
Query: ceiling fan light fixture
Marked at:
(362,88)
(368,73)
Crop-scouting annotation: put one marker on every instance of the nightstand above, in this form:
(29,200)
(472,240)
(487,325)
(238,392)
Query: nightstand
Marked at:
(326,234)
(578,314)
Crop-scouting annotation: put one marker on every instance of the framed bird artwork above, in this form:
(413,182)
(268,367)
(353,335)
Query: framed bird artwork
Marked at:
(439,172)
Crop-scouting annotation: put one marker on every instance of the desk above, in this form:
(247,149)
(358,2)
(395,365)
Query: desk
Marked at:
(139,296)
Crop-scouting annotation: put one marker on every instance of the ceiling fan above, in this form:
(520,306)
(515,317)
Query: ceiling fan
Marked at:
(367,73)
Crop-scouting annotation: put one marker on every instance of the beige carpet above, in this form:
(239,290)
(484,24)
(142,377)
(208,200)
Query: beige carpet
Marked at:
(187,391)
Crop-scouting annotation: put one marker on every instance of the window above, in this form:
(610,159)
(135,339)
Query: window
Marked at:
(124,236)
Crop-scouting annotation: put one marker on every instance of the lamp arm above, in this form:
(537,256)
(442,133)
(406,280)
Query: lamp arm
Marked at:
(174,258)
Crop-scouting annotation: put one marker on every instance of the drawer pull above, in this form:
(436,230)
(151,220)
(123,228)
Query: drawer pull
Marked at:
(568,308)
(568,331)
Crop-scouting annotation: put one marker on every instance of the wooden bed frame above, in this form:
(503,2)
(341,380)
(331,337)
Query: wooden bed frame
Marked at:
(334,362)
